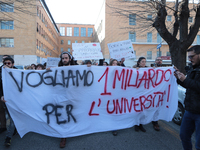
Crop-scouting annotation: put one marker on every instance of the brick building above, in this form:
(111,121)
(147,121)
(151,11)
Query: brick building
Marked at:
(28,35)
(74,33)
(112,27)
(32,34)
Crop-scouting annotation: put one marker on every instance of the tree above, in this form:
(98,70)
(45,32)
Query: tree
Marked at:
(181,37)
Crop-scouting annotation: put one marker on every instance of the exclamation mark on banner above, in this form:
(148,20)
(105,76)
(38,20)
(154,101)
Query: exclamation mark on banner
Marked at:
(168,94)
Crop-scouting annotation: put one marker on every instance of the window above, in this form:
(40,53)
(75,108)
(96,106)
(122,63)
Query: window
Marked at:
(169,18)
(6,42)
(61,50)
(132,36)
(90,32)
(62,31)
(7,25)
(7,7)
(68,49)
(198,39)
(61,42)
(159,54)
(190,19)
(149,54)
(132,19)
(76,41)
(83,32)
(149,17)
(168,54)
(69,42)
(149,37)
(83,41)
(69,31)
(159,39)
(135,52)
(76,31)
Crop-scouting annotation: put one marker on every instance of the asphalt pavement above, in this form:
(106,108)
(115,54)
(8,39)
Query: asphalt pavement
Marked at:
(127,139)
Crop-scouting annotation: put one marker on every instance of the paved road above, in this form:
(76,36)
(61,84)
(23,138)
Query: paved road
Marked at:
(127,139)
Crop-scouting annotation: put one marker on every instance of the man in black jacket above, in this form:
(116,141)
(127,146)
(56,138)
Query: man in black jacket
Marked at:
(2,109)
(191,118)
(9,63)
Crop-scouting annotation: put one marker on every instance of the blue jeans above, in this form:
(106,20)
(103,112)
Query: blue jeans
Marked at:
(190,123)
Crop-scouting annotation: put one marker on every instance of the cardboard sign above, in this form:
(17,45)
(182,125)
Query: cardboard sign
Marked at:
(121,49)
(52,62)
(86,51)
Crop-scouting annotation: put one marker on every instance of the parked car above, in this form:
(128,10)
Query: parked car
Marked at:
(181,107)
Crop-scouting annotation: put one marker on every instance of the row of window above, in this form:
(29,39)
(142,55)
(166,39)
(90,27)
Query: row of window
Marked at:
(6,42)
(76,31)
(132,19)
(132,37)
(6,7)
(40,15)
(43,48)
(69,42)
(159,53)
(46,37)
(68,49)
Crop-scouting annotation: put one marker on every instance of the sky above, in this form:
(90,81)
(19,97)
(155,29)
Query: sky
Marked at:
(75,11)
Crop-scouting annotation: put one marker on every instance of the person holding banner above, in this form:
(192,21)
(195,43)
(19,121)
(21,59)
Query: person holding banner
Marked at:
(114,62)
(158,63)
(141,63)
(2,109)
(191,117)
(9,63)
(66,59)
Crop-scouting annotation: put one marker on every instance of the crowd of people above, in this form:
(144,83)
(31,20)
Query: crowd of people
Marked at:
(191,119)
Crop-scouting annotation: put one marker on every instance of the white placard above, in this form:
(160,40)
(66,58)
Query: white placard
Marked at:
(86,51)
(52,62)
(76,100)
(121,49)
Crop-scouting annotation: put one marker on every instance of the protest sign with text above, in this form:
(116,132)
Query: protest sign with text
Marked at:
(84,51)
(77,100)
(52,62)
(121,49)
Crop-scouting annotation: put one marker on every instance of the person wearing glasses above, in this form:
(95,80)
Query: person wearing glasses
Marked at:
(8,62)
(2,107)
(191,117)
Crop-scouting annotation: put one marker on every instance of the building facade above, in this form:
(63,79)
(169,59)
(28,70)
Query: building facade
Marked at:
(28,35)
(129,19)
(32,34)
(74,33)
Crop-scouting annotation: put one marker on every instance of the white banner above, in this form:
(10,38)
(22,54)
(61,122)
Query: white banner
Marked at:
(121,49)
(84,51)
(77,100)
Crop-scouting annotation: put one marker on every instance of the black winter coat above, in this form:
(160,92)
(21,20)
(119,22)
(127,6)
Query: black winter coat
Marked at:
(192,85)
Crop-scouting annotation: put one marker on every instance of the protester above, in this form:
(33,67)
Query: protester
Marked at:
(105,63)
(39,67)
(2,109)
(9,63)
(122,62)
(191,118)
(66,59)
(33,66)
(114,62)
(141,63)
(158,63)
